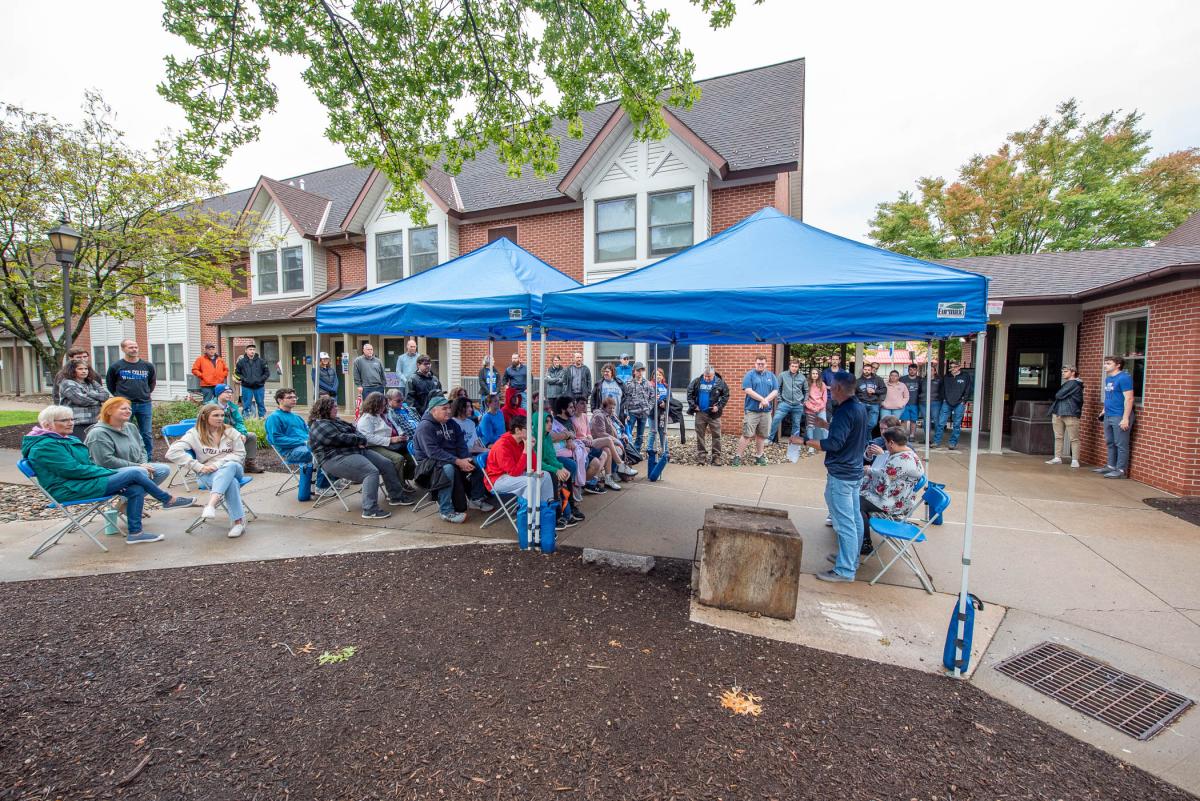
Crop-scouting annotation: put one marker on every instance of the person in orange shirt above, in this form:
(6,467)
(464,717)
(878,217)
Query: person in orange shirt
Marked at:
(211,370)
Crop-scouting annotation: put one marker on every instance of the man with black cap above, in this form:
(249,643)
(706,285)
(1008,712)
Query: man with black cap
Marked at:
(639,400)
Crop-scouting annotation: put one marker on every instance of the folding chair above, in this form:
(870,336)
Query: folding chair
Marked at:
(79,513)
(293,469)
(335,488)
(428,499)
(903,535)
(250,513)
(183,474)
(506,503)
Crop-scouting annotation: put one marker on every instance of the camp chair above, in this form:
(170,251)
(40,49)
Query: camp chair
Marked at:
(183,474)
(294,470)
(506,503)
(335,488)
(79,513)
(250,513)
(903,535)
(428,499)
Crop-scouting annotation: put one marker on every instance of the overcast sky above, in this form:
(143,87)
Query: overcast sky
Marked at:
(894,90)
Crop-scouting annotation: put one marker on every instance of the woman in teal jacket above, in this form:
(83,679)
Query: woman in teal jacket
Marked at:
(66,470)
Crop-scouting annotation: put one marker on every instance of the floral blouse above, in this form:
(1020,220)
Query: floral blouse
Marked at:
(891,487)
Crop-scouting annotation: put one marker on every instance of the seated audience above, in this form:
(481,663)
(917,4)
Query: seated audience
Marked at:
(491,422)
(401,415)
(600,437)
(462,411)
(66,471)
(341,452)
(223,394)
(288,433)
(572,453)
(506,464)
(602,449)
(215,451)
(444,464)
(384,439)
(560,474)
(890,489)
(604,423)
(115,442)
(80,389)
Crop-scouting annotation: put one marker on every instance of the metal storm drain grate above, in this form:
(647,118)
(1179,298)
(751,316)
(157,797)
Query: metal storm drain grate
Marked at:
(1127,703)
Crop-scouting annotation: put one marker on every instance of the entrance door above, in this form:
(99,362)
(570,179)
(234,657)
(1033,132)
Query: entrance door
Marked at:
(339,348)
(299,372)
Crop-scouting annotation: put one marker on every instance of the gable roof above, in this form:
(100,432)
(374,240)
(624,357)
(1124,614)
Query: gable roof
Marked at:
(753,120)
(1188,233)
(1072,275)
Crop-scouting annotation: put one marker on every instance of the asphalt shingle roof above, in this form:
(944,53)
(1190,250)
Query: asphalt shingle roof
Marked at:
(275,311)
(1042,275)
(752,119)
(306,209)
(1188,233)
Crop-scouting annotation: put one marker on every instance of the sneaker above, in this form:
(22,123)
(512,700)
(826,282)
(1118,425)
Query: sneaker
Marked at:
(812,451)
(238,530)
(1115,474)
(208,512)
(178,502)
(761,461)
(592,489)
(951,447)
(833,575)
(566,522)
(403,500)
(481,505)
(829,522)
(1108,468)
(611,483)
(737,462)
(1055,460)
(142,536)
(1075,463)
(626,470)
(457,517)
(577,515)
(378,514)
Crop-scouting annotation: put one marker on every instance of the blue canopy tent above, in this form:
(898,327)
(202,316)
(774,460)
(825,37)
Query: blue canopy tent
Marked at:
(493,292)
(773,279)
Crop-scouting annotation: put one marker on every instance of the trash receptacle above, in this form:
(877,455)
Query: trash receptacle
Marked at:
(1031,429)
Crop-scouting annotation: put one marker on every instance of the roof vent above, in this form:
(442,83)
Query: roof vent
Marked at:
(291,183)
(301,184)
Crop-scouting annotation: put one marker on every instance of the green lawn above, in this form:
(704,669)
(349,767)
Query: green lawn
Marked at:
(17,418)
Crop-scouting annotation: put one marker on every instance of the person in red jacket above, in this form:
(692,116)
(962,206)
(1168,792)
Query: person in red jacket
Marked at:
(211,370)
(506,463)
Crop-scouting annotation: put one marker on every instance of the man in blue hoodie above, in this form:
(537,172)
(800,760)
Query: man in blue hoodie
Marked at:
(441,444)
(288,433)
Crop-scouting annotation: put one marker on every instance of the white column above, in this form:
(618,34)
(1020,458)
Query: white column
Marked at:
(1070,344)
(858,358)
(999,373)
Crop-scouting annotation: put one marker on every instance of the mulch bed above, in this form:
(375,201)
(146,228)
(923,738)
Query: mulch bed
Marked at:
(480,672)
(1187,509)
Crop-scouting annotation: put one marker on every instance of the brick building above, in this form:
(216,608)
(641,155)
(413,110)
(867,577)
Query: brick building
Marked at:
(1074,308)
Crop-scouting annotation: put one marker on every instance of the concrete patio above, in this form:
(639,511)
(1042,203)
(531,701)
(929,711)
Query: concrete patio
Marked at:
(1060,555)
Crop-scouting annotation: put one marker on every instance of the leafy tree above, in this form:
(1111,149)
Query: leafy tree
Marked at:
(1064,184)
(142,229)
(412,83)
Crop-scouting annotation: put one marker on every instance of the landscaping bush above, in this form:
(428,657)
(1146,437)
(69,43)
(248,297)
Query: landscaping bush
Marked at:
(258,427)
(173,411)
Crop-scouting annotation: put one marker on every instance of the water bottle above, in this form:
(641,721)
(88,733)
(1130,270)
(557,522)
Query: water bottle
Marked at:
(110,522)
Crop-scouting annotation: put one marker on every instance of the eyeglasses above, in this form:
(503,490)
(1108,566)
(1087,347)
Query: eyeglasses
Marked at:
(64,419)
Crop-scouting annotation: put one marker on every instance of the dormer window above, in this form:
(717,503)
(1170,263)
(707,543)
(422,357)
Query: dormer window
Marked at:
(616,229)
(280,268)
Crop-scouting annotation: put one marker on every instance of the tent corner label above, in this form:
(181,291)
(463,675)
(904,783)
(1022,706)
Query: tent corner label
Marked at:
(954,310)
(515,314)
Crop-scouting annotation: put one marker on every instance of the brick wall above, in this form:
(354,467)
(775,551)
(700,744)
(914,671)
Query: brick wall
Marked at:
(139,326)
(1166,442)
(730,206)
(354,265)
(555,238)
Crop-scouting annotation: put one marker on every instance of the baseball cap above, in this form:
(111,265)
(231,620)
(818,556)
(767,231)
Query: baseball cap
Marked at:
(324,355)
(639,366)
(219,389)
(437,400)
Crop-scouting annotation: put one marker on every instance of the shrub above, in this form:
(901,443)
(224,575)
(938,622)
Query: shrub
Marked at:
(173,411)
(258,427)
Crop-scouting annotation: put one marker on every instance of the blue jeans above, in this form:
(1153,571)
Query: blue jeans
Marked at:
(226,483)
(955,415)
(251,396)
(1117,442)
(142,415)
(816,432)
(301,456)
(134,485)
(638,431)
(872,415)
(782,410)
(571,465)
(841,496)
(206,394)
(935,411)
(161,471)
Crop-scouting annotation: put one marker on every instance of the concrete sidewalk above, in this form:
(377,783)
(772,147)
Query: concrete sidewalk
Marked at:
(1059,555)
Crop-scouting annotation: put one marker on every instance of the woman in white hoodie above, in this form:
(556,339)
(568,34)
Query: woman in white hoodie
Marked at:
(216,453)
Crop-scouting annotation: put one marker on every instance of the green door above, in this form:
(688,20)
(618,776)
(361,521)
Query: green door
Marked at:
(299,372)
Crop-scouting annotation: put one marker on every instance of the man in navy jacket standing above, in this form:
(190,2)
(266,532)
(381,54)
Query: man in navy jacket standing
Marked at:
(843,463)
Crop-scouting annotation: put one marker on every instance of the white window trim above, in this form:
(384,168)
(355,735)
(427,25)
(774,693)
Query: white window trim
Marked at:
(595,243)
(375,256)
(649,195)
(305,262)
(1110,336)
(381,221)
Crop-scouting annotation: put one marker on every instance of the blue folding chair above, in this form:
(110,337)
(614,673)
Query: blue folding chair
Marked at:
(903,535)
(183,474)
(199,521)
(79,513)
(506,503)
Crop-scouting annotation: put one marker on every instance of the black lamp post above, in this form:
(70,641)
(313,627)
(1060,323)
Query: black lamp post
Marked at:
(65,241)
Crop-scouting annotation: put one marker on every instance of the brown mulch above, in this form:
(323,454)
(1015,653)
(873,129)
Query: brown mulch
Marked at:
(480,672)
(1187,509)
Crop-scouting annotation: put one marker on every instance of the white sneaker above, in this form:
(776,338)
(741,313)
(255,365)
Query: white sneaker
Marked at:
(611,484)
(209,512)
(1055,460)
(238,530)
(829,522)
(1074,463)
(626,470)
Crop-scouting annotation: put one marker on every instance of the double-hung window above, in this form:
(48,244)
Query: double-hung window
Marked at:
(175,362)
(389,256)
(670,219)
(281,271)
(1128,334)
(423,248)
(616,229)
(268,272)
(293,269)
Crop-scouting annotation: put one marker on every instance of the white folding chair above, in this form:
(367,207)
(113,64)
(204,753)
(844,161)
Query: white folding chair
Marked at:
(902,536)
(183,474)
(294,472)
(334,489)
(79,513)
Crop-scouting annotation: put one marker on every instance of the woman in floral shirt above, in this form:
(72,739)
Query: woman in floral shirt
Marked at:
(889,491)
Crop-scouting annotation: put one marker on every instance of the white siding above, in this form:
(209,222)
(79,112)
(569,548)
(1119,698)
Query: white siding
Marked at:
(452,244)
(164,328)
(381,221)
(276,234)
(314,263)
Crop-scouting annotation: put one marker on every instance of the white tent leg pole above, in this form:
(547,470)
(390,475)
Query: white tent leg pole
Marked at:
(928,403)
(529,439)
(969,528)
(484,391)
(541,403)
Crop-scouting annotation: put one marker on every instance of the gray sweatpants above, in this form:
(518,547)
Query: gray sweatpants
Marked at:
(366,467)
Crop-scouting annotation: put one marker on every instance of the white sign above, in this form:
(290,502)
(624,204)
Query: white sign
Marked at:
(515,314)
(995,307)
(955,310)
